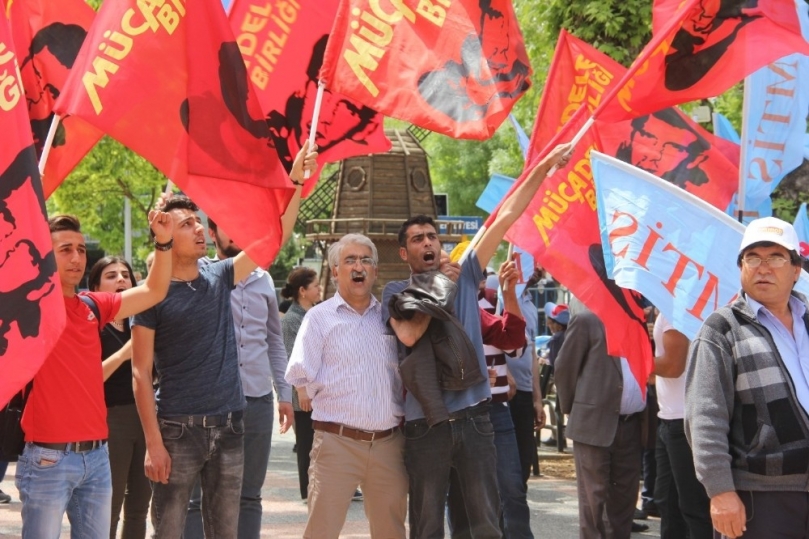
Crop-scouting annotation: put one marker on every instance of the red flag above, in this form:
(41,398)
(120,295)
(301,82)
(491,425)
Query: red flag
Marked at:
(169,82)
(560,226)
(283,46)
(705,47)
(452,67)
(49,35)
(32,312)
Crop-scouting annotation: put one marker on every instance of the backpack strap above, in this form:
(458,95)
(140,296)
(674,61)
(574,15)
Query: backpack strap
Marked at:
(87,300)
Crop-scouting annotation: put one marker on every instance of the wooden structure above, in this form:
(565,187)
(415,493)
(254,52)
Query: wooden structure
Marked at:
(374,195)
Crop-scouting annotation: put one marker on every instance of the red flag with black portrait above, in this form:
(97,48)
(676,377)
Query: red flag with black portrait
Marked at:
(283,44)
(456,68)
(49,35)
(32,312)
(168,81)
(703,48)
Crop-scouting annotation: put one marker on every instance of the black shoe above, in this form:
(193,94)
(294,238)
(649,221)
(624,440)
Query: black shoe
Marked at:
(638,527)
(640,514)
(357,496)
(651,510)
(4,498)
(295,448)
(550,441)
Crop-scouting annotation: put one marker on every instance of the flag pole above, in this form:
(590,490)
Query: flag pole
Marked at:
(315,117)
(169,187)
(742,192)
(46,149)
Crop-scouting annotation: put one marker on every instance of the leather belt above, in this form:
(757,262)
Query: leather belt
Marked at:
(354,434)
(76,447)
(206,421)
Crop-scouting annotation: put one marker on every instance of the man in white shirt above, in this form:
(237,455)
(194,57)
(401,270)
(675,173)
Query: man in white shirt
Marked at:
(348,366)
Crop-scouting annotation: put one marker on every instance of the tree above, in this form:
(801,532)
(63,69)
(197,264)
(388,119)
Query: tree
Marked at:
(96,189)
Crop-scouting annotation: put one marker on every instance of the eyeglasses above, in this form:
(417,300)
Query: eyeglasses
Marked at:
(773,261)
(366,261)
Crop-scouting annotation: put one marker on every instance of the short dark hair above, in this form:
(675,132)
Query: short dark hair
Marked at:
(415,220)
(94,279)
(212,224)
(794,258)
(59,223)
(180,202)
(298,277)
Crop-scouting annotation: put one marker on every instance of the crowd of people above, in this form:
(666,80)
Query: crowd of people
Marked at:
(427,400)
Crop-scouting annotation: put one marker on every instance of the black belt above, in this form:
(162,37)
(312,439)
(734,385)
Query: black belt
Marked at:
(354,434)
(76,447)
(629,417)
(206,421)
(470,412)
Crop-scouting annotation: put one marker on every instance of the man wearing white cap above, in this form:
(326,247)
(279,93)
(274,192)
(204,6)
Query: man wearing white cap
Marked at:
(747,394)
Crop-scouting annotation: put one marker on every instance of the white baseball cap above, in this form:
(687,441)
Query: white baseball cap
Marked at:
(770,229)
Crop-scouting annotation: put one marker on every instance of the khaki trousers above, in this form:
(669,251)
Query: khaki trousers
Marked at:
(338,466)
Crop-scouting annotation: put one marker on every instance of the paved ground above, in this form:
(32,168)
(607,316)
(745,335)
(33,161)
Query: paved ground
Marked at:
(552,501)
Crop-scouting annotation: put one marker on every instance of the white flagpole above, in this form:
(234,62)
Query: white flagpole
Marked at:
(315,117)
(742,192)
(46,149)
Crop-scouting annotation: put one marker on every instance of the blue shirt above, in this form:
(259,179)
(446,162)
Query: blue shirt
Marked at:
(194,345)
(521,367)
(631,397)
(466,309)
(794,348)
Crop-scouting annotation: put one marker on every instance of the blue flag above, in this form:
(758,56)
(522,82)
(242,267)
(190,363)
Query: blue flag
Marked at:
(775,108)
(667,244)
(723,128)
(802,229)
(494,192)
(522,138)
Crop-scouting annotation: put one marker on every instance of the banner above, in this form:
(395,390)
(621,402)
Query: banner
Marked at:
(703,48)
(672,247)
(204,128)
(32,311)
(49,35)
(456,68)
(282,43)
(802,229)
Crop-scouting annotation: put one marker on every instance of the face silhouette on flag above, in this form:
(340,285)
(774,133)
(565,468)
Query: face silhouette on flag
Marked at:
(461,88)
(340,119)
(26,268)
(704,39)
(50,57)
(664,144)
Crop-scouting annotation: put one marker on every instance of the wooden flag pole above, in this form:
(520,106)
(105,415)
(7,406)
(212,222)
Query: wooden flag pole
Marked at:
(315,117)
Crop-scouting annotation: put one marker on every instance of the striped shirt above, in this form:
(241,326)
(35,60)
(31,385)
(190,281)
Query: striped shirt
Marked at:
(349,366)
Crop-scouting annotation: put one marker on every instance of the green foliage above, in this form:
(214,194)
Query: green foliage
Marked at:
(95,192)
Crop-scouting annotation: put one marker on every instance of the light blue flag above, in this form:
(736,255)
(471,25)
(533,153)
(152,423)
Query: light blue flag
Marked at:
(775,111)
(522,138)
(751,212)
(494,192)
(672,247)
(723,128)
(802,229)
(226,4)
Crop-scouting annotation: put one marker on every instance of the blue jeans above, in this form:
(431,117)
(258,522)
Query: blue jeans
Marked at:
(513,491)
(52,482)
(465,443)
(216,456)
(258,421)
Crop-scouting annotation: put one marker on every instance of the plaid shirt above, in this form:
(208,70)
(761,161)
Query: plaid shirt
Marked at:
(742,417)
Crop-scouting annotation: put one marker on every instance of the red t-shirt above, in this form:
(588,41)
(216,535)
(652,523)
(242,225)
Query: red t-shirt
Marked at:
(67,402)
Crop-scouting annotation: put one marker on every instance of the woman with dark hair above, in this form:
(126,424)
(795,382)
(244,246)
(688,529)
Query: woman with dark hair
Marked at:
(303,288)
(127,445)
